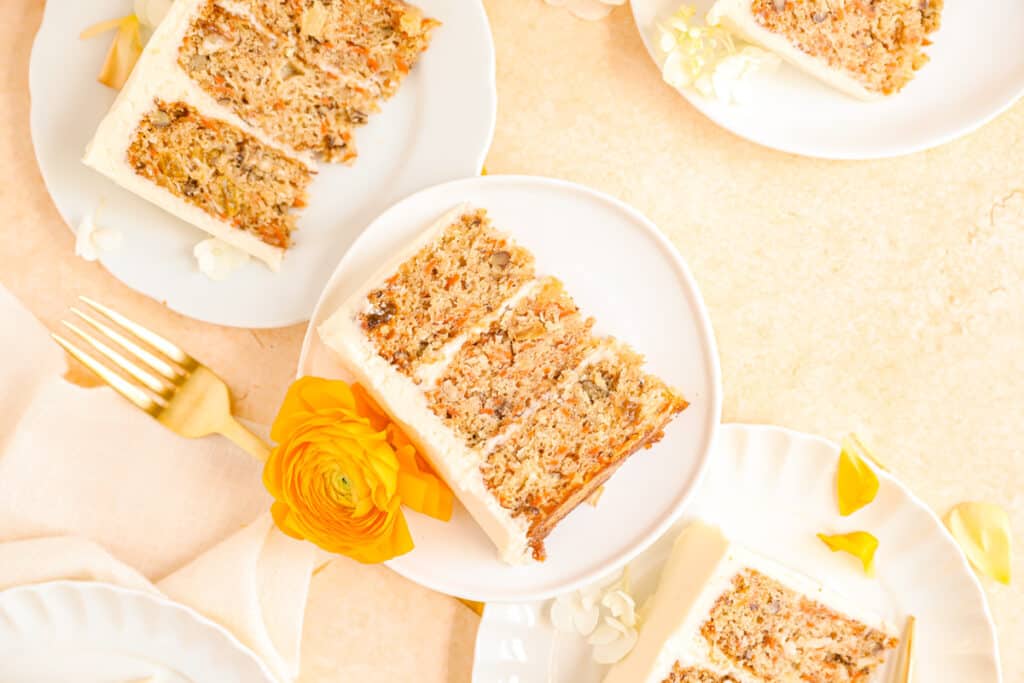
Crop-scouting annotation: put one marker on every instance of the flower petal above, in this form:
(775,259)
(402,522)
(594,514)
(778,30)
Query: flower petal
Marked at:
(614,651)
(860,544)
(983,532)
(856,482)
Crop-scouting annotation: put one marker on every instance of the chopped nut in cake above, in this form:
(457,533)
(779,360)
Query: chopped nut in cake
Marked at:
(221,169)
(447,286)
(879,43)
(516,360)
(562,452)
(261,79)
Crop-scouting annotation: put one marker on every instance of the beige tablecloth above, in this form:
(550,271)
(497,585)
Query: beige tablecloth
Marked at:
(885,297)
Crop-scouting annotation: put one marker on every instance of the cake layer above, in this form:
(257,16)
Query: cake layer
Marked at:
(607,410)
(499,371)
(867,49)
(441,291)
(221,169)
(777,634)
(724,614)
(374,43)
(262,80)
(696,674)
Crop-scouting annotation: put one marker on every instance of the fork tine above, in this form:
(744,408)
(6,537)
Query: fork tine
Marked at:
(158,364)
(151,381)
(131,392)
(153,339)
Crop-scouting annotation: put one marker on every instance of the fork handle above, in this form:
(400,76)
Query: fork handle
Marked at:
(244,439)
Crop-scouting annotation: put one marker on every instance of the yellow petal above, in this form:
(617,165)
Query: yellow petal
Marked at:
(860,544)
(856,482)
(983,532)
(123,53)
(103,27)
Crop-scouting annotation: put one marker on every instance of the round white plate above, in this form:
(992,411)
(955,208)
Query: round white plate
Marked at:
(772,490)
(620,270)
(98,633)
(417,140)
(976,72)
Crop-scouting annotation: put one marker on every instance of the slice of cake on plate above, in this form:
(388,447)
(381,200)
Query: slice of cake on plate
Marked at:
(723,614)
(231,103)
(865,48)
(498,378)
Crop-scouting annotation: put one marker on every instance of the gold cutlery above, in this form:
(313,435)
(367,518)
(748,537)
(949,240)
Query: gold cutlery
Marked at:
(905,671)
(171,386)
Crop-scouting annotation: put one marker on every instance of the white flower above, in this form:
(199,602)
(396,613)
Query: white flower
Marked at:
(621,605)
(710,59)
(151,12)
(91,241)
(217,260)
(612,641)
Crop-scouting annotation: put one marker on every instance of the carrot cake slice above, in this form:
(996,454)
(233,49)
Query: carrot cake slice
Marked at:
(497,376)
(233,102)
(723,614)
(866,48)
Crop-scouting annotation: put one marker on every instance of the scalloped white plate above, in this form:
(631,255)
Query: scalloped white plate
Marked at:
(625,273)
(417,140)
(772,490)
(98,633)
(975,73)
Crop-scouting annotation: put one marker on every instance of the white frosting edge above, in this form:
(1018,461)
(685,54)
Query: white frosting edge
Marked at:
(671,632)
(736,16)
(157,74)
(457,464)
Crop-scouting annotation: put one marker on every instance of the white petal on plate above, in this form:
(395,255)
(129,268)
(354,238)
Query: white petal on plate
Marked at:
(585,619)
(562,611)
(217,260)
(608,631)
(91,240)
(674,70)
(621,605)
(616,649)
(107,239)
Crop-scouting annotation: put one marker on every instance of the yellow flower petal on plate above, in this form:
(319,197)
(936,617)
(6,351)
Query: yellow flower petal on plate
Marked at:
(856,482)
(124,50)
(983,532)
(860,544)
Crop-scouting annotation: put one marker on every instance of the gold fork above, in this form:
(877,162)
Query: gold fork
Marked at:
(183,395)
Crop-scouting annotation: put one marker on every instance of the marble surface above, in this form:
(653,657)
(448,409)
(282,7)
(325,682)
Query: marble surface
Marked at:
(884,297)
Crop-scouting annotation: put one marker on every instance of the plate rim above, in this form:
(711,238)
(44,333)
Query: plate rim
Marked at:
(904,150)
(487,93)
(157,600)
(973,580)
(707,339)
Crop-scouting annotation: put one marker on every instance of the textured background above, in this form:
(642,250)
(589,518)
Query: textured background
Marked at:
(883,297)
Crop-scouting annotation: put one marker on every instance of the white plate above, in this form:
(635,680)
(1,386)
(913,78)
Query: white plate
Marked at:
(976,72)
(419,139)
(772,490)
(621,270)
(98,633)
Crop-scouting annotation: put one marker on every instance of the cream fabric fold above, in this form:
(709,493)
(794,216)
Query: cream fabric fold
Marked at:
(93,489)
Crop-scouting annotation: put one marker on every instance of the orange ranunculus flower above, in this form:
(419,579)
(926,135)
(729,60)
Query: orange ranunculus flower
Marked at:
(341,471)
